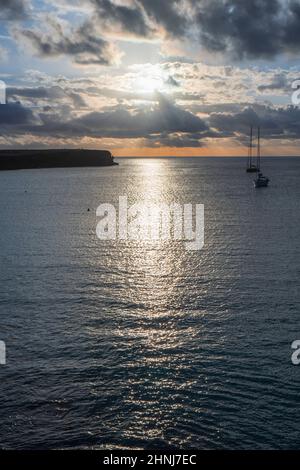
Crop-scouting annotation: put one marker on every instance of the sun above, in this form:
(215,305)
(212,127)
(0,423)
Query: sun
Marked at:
(149,83)
(148,79)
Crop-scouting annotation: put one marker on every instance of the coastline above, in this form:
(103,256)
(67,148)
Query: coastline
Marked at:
(60,158)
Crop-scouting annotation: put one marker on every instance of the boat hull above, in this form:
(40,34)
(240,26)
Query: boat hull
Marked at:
(261,185)
(264,183)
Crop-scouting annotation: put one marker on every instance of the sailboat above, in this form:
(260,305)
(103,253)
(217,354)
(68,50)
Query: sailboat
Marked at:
(260,181)
(251,167)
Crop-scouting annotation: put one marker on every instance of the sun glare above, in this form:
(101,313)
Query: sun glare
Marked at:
(149,84)
(149,79)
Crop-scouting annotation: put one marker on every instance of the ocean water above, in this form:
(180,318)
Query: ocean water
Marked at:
(147,345)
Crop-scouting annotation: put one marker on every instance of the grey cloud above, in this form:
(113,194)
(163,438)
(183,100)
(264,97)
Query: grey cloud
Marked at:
(164,123)
(14,114)
(36,92)
(256,29)
(131,19)
(13,9)
(143,17)
(83,44)
(53,94)
(244,29)
(240,28)
(275,122)
(163,119)
(279,82)
(291,35)
(171,81)
(167,14)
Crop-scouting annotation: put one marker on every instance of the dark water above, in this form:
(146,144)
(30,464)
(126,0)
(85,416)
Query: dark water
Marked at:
(122,344)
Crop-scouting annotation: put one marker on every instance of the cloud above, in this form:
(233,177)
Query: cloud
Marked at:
(129,18)
(164,124)
(171,81)
(256,29)
(163,119)
(13,9)
(242,29)
(83,44)
(279,82)
(143,17)
(238,29)
(275,122)
(170,15)
(53,94)
(14,114)
(177,139)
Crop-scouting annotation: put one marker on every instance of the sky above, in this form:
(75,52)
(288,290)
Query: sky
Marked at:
(150,77)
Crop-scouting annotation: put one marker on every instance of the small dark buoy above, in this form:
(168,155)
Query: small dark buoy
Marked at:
(88,210)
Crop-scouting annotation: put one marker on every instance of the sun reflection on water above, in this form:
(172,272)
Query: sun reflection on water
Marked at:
(152,329)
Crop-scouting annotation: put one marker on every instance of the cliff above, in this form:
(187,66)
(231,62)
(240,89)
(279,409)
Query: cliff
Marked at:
(62,158)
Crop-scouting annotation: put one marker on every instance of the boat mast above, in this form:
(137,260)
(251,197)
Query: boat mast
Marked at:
(250,148)
(258,149)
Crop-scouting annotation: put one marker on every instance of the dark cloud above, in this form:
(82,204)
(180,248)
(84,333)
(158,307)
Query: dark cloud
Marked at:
(240,28)
(256,29)
(291,35)
(83,44)
(279,82)
(35,93)
(162,125)
(130,19)
(143,17)
(52,94)
(275,122)
(14,114)
(167,14)
(171,81)
(166,117)
(145,122)
(13,9)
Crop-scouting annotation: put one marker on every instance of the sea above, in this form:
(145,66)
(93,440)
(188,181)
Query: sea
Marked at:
(133,344)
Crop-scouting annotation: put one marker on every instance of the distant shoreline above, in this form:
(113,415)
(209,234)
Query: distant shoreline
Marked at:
(153,157)
(60,158)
